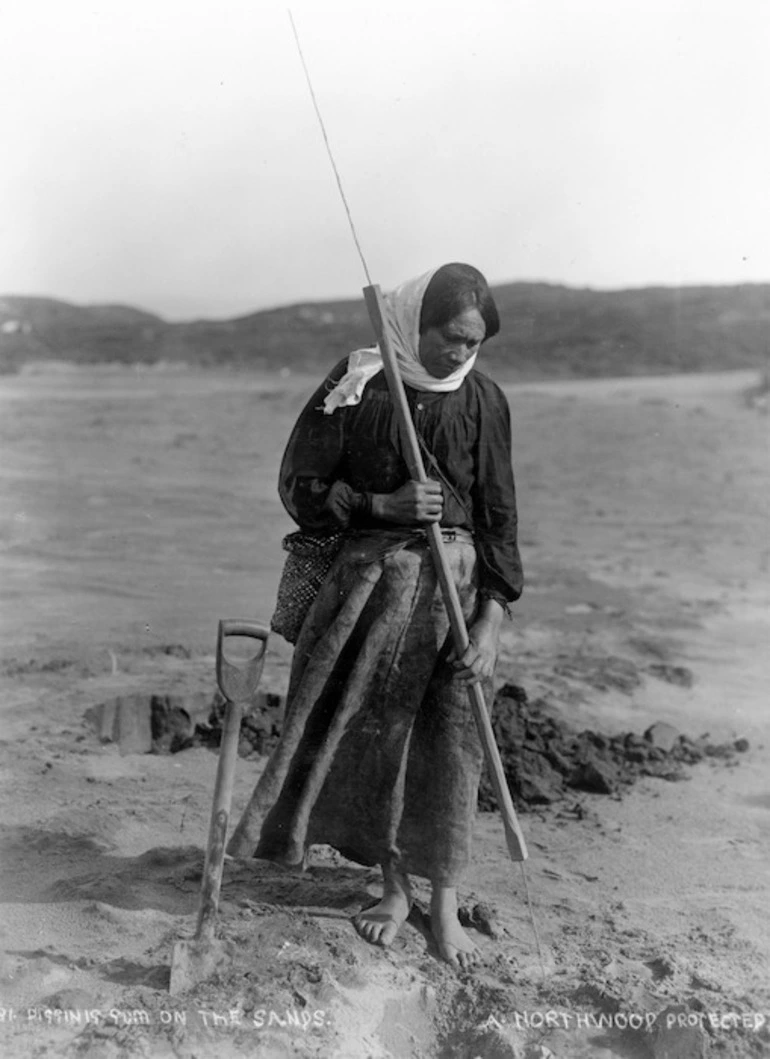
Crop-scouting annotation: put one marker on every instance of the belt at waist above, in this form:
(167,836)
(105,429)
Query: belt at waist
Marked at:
(409,534)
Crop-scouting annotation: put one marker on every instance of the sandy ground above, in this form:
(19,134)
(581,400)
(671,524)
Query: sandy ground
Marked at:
(139,508)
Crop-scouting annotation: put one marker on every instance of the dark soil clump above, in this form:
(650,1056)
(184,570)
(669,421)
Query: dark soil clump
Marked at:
(544,759)
(260,727)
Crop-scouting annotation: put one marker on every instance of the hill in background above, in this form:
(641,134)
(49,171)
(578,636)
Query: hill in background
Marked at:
(548,331)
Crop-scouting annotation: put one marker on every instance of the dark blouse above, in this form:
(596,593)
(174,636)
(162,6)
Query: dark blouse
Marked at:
(333,461)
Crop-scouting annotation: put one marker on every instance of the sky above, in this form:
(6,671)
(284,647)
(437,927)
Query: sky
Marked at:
(166,153)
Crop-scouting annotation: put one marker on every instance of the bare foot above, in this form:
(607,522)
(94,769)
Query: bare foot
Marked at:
(453,943)
(380,924)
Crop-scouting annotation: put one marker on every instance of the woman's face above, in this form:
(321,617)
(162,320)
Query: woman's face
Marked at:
(445,349)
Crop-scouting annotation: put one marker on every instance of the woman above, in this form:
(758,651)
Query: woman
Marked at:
(379,755)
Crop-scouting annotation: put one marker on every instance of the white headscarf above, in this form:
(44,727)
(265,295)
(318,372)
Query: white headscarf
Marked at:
(403,305)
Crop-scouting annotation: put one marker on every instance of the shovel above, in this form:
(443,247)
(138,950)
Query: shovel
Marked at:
(196,960)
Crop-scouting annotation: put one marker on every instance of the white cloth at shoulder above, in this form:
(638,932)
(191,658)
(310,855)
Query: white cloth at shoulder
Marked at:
(363,365)
(404,305)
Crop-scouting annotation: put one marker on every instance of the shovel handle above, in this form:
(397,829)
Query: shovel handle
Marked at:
(238,682)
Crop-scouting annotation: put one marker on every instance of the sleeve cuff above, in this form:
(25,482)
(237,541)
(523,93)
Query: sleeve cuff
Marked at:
(498,597)
(342,502)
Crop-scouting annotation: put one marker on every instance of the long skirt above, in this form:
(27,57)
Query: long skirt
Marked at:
(379,755)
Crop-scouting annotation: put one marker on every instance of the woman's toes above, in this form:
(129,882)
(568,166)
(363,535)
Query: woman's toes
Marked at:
(388,932)
(380,924)
(453,943)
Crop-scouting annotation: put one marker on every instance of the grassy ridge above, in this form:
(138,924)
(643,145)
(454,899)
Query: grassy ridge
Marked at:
(547,331)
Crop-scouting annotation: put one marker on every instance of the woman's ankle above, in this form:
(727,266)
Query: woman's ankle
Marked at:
(443,900)
(396,883)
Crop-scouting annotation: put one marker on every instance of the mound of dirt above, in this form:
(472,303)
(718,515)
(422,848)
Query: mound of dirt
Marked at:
(544,759)
(161,723)
(260,728)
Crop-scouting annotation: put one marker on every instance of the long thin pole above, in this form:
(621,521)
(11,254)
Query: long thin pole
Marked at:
(517,847)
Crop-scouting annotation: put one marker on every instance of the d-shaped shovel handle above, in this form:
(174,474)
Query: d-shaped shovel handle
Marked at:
(238,681)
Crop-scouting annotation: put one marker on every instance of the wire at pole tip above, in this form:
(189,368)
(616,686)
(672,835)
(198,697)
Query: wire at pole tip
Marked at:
(329,149)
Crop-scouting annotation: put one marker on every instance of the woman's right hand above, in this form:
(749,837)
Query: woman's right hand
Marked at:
(413,503)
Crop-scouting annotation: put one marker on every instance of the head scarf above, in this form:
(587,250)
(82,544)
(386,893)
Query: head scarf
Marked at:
(403,306)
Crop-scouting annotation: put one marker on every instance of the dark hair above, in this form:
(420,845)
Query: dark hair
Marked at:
(453,289)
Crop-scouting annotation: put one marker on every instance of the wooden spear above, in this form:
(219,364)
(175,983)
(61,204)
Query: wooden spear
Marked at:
(378,315)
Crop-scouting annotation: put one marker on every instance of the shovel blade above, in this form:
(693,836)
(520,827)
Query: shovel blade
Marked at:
(195,961)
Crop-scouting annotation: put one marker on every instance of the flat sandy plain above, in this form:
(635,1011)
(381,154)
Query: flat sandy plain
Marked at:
(138,508)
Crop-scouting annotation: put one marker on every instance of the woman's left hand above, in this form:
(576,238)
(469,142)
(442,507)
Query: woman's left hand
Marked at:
(478,660)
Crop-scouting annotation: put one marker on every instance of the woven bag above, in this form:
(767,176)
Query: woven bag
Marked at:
(309,559)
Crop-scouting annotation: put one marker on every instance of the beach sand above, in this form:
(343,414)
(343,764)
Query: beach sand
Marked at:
(139,507)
